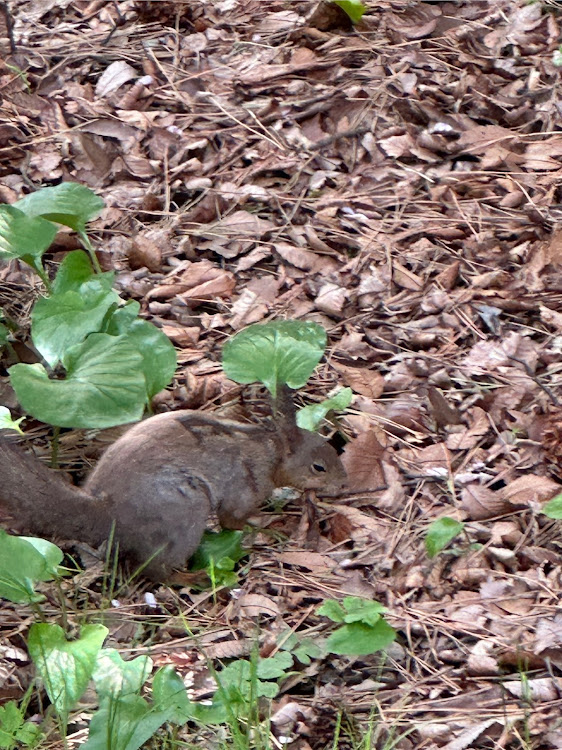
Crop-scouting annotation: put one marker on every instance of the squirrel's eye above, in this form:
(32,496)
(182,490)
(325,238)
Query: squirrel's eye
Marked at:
(317,467)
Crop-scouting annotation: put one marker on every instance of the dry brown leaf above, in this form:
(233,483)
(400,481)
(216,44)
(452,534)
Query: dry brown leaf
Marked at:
(257,605)
(369,383)
(529,490)
(362,459)
(309,560)
(296,256)
(480,502)
(471,436)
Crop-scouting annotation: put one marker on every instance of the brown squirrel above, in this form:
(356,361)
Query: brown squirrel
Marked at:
(160,482)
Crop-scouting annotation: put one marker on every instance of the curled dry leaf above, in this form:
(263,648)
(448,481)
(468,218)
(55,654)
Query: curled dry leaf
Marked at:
(480,661)
(362,459)
(256,605)
(529,491)
(309,560)
(480,503)
(362,380)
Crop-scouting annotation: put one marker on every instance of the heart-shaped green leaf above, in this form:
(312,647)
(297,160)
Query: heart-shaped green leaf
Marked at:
(23,236)
(63,320)
(65,667)
(69,203)
(282,351)
(440,533)
(159,359)
(104,385)
(23,562)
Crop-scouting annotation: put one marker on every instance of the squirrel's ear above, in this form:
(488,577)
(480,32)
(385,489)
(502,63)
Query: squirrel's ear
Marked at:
(285,415)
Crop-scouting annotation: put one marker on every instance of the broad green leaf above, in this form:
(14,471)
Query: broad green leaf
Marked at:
(7,423)
(169,694)
(274,667)
(51,554)
(124,724)
(25,561)
(15,732)
(303,649)
(62,320)
(354,9)
(553,509)
(359,638)
(440,533)
(104,385)
(159,359)
(310,417)
(116,678)
(75,270)
(69,203)
(362,610)
(23,236)
(239,686)
(333,610)
(65,667)
(216,546)
(283,351)
(306,651)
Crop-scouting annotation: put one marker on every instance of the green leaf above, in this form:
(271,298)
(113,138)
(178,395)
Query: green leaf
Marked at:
(7,423)
(65,667)
(440,533)
(333,610)
(282,351)
(23,562)
(115,678)
(362,610)
(15,732)
(159,359)
(274,667)
(169,694)
(75,270)
(553,509)
(104,385)
(354,9)
(23,236)
(69,203)
(124,724)
(310,417)
(306,651)
(216,546)
(358,638)
(4,333)
(64,320)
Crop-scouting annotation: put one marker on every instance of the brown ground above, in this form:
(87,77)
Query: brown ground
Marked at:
(400,184)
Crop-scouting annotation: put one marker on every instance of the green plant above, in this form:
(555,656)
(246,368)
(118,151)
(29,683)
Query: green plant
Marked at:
(365,630)
(440,533)
(217,554)
(102,364)
(354,9)
(15,731)
(65,667)
(24,561)
(282,352)
(6,421)
(553,509)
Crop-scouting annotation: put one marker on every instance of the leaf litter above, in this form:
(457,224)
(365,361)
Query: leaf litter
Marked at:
(398,183)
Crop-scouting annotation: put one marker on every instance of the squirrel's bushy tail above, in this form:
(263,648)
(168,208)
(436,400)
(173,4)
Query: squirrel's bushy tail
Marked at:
(39,501)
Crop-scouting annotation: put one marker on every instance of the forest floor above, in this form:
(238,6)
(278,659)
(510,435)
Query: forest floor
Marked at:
(399,183)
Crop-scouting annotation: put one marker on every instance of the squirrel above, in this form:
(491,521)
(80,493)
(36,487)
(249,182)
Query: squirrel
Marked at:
(160,482)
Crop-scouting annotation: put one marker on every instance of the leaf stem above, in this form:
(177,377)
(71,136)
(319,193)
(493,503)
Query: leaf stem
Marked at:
(88,245)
